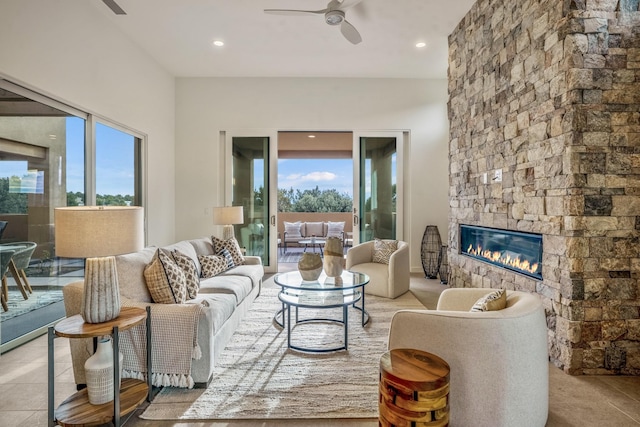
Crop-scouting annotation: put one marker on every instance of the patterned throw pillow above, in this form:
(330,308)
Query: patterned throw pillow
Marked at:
(232,246)
(190,271)
(212,265)
(165,280)
(335,229)
(292,229)
(383,249)
(224,253)
(496,300)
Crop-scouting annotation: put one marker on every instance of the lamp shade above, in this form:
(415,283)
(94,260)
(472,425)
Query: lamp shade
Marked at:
(98,231)
(228,215)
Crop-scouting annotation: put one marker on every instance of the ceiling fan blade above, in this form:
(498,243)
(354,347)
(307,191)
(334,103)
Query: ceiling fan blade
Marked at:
(346,4)
(114,7)
(350,33)
(295,12)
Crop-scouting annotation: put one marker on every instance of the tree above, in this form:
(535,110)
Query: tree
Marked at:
(314,200)
(11,203)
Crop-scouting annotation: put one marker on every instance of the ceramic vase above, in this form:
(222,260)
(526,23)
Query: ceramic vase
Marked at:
(310,266)
(99,373)
(333,258)
(101,298)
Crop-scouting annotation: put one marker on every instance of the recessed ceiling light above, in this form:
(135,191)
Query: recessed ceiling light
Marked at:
(218,43)
(311,136)
(421,44)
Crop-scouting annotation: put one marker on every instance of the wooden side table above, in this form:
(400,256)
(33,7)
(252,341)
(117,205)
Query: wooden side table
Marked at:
(76,410)
(414,389)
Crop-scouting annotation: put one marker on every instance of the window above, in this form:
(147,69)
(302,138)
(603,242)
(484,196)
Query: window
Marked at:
(54,155)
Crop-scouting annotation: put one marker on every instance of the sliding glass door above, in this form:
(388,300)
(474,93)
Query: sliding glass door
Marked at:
(249,174)
(378,185)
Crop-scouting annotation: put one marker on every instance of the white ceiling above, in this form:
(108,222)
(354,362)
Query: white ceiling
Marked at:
(178,34)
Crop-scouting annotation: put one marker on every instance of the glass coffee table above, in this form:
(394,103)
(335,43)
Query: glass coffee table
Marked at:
(321,294)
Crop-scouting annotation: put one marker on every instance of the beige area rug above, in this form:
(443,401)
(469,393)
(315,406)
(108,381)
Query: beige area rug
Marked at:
(257,377)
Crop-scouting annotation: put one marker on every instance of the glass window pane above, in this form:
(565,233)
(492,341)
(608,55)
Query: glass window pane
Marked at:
(250,174)
(41,153)
(115,167)
(378,188)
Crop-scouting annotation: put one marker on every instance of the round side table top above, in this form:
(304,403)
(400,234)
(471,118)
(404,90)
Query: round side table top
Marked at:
(76,327)
(414,369)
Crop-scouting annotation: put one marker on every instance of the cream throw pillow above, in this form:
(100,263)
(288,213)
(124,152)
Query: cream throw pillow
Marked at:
(292,229)
(335,229)
(383,249)
(496,300)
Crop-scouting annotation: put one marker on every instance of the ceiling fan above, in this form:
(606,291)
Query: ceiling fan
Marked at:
(114,7)
(334,14)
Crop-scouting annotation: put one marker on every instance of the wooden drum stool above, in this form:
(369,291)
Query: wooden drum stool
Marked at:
(414,389)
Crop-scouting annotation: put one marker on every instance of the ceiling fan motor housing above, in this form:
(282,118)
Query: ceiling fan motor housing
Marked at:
(334,17)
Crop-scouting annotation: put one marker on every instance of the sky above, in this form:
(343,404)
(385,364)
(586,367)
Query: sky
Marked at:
(306,174)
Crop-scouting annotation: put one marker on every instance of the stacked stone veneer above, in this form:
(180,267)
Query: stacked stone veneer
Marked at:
(547,92)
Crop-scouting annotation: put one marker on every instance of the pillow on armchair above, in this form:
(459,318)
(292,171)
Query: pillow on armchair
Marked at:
(292,229)
(383,249)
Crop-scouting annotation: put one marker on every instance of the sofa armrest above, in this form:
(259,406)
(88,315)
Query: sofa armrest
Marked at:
(399,271)
(252,260)
(359,254)
(460,299)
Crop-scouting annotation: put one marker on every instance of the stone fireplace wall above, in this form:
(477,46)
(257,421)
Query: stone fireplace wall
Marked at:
(544,113)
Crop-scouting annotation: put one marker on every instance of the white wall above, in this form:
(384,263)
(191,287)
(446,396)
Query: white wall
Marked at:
(68,50)
(206,106)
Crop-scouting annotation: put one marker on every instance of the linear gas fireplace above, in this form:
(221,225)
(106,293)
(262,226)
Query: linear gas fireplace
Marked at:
(513,250)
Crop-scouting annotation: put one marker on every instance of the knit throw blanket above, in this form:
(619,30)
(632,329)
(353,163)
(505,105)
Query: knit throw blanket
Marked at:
(174,343)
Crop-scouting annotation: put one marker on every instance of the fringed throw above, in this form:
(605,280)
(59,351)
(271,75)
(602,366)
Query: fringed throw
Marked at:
(174,343)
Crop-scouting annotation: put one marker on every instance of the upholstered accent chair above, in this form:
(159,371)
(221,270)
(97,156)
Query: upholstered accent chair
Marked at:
(499,359)
(386,280)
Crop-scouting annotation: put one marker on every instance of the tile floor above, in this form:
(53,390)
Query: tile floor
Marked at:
(573,401)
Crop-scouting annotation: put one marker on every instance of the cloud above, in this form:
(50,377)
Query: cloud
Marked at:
(313,176)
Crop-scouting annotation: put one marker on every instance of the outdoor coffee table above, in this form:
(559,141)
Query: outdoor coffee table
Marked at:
(321,294)
(313,242)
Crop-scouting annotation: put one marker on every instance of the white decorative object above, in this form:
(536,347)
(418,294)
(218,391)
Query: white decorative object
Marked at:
(96,233)
(333,258)
(99,373)
(227,216)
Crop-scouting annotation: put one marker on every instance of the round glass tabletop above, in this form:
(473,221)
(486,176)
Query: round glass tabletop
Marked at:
(349,280)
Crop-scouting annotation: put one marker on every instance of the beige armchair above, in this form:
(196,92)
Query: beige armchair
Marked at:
(389,281)
(499,359)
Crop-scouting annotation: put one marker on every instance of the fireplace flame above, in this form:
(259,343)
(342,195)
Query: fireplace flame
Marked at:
(497,257)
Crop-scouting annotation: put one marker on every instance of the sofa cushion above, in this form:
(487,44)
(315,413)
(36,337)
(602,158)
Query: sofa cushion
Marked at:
(131,274)
(383,249)
(493,301)
(190,270)
(212,265)
(292,230)
(253,272)
(232,246)
(222,307)
(314,229)
(239,286)
(165,280)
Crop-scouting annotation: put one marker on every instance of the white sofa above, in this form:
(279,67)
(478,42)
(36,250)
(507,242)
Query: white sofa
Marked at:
(389,281)
(226,298)
(499,359)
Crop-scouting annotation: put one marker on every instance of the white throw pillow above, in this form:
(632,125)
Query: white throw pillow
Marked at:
(335,229)
(292,229)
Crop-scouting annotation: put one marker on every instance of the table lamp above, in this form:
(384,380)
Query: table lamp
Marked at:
(98,233)
(227,216)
